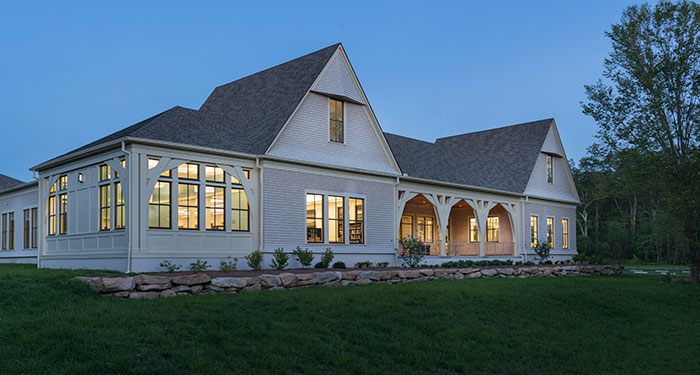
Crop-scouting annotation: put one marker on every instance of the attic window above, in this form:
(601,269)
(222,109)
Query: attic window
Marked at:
(550,173)
(336,121)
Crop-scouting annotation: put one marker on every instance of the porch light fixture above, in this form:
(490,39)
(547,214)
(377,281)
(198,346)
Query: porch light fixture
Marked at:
(80,177)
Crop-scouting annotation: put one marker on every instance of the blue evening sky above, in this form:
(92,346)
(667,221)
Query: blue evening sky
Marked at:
(73,72)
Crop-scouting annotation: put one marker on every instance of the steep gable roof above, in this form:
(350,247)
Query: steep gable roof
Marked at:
(7,182)
(242,116)
(500,159)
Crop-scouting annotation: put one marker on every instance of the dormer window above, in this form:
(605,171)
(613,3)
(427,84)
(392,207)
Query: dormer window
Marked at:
(336,121)
(550,173)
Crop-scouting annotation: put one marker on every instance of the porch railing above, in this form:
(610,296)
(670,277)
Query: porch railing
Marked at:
(462,248)
(499,248)
(468,248)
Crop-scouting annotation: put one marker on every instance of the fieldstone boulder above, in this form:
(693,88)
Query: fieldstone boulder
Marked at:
(167,293)
(230,282)
(474,275)
(370,275)
(467,271)
(306,279)
(288,280)
(196,289)
(158,287)
(489,272)
(506,271)
(363,282)
(151,279)
(427,272)
(115,284)
(143,295)
(547,271)
(269,281)
(410,274)
(194,279)
(181,289)
(440,273)
(388,275)
(121,294)
(326,277)
(351,275)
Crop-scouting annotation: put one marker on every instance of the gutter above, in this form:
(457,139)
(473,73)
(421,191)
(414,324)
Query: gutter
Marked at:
(260,211)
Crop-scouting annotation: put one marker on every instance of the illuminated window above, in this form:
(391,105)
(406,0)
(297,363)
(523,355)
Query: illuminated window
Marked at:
(424,228)
(62,213)
(357,220)
(159,206)
(63,182)
(550,231)
(240,210)
(550,172)
(336,120)
(473,230)
(565,233)
(492,229)
(105,172)
(188,206)
(314,218)
(533,231)
(105,207)
(51,207)
(122,162)
(188,172)
(152,162)
(236,181)
(4,231)
(213,174)
(214,207)
(26,232)
(35,227)
(119,212)
(336,219)
(406,228)
(11,230)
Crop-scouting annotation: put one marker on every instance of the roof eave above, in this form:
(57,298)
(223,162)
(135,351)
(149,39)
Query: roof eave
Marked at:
(19,187)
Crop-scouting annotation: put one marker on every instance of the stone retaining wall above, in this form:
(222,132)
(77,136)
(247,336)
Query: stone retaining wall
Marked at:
(150,286)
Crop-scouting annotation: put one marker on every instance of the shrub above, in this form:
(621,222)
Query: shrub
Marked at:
(320,265)
(338,265)
(542,250)
(327,258)
(254,259)
(365,264)
(305,257)
(228,264)
(199,265)
(280,259)
(383,264)
(170,266)
(548,262)
(413,251)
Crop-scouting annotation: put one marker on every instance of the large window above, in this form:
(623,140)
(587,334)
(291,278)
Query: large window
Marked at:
(119,212)
(336,219)
(188,206)
(314,218)
(550,231)
(240,210)
(152,162)
(159,206)
(35,228)
(214,207)
(27,228)
(188,172)
(533,231)
(62,213)
(550,172)
(51,206)
(565,233)
(473,230)
(105,206)
(4,231)
(213,174)
(424,228)
(336,121)
(492,229)
(357,220)
(406,228)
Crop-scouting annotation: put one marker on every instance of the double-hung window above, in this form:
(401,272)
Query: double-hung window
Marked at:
(214,198)
(533,231)
(565,233)
(4,231)
(424,228)
(473,230)
(550,231)
(336,219)
(35,227)
(492,229)
(336,121)
(63,204)
(105,195)
(314,218)
(550,170)
(406,228)
(26,229)
(357,220)
(159,203)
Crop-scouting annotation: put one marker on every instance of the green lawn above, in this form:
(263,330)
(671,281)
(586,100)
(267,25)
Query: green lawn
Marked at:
(660,266)
(626,324)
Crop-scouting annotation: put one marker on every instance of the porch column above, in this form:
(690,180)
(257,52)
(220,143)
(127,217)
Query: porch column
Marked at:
(400,205)
(481,211)
(510,208)
(442,204)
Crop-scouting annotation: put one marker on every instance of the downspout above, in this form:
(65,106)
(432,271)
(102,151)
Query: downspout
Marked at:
(260,194)
(38,251)
(522,227)
(129,224)
(393,228)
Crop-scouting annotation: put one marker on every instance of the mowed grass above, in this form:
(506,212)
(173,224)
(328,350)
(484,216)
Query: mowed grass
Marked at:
(626,324)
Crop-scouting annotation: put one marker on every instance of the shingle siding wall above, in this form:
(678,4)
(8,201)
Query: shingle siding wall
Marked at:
(560,188)
(284,220)
(337,80)
(542,210)
(306,137)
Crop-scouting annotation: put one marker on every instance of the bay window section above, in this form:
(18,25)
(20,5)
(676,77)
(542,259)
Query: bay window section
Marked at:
(357,220)
(533,231)
(188,206)
(473,230)
(214,207)
(159,206)
(314,218)
(492,229)
(105,206)
(240,210)
(336,219)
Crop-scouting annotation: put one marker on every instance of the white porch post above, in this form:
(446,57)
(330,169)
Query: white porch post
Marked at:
(443,204)
(400,205)
(510,208)
(481,210)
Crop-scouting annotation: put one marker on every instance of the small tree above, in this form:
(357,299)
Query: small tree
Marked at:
(542,250)
(228,264)
(327,258)
(254,260)
(304,256)
(280,259)
(413,253)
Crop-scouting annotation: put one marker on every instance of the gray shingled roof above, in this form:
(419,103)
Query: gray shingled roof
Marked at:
(242,116)
(7,182)
(501,158)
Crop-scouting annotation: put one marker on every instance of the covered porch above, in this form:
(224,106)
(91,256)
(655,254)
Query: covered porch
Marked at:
(457,226)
